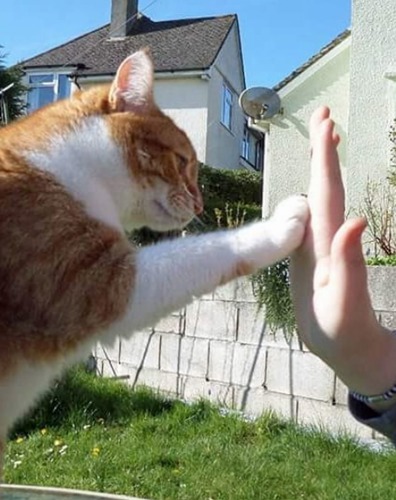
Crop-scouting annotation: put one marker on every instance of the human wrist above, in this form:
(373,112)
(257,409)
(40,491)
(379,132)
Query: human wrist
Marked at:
(369,368)
(371,373)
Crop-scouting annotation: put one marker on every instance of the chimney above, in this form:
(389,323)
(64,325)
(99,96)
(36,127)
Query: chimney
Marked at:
(123,15)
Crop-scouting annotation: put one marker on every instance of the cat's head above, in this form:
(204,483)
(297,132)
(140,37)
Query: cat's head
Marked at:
(159,155)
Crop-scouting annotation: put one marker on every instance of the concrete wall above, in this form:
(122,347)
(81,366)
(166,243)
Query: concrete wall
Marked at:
(286,169)
(224,146)
(219,348)
(372,105)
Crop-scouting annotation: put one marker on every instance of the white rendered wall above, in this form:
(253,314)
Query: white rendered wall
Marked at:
(286,169)
(185,100)
(372,93)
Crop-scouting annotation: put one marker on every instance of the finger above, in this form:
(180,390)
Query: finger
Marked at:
(320,114)
(326,191)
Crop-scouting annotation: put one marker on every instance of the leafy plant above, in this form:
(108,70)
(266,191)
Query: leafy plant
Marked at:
(271,288)
(232,216)
(379,210)
(392,138)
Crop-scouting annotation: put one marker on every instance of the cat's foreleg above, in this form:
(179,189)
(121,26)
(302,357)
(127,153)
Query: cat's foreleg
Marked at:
(170,274)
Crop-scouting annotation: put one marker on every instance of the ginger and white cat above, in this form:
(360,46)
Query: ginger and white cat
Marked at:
(73,176)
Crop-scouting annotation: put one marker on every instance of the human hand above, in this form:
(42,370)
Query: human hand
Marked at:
(329,283)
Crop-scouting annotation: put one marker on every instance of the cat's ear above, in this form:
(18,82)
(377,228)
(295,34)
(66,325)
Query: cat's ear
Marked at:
(132,88)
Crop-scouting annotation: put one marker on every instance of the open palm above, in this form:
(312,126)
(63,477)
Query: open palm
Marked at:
(329,282)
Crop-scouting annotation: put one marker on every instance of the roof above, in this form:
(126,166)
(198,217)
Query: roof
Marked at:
(180,45)
(325,50)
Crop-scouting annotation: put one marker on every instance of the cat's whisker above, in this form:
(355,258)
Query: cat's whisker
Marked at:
(190,212)
(199,221)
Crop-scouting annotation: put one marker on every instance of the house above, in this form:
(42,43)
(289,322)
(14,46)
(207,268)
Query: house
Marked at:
(355,75)
(199,74)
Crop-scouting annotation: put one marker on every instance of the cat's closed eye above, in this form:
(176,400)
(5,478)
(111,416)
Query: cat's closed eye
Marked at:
(183,162)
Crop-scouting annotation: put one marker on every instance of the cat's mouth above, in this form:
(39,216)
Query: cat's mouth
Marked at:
(164,212)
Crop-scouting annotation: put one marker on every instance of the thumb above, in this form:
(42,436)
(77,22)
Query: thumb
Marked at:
(347,264)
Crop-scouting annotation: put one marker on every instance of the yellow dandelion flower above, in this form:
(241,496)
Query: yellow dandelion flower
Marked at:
(95,451)
(20,440)
(43,432)
(58,442)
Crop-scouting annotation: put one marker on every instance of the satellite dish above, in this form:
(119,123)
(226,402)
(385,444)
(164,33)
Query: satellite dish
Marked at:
(260,103)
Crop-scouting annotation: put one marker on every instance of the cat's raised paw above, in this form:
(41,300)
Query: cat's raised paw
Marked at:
(289,221)
(292,208)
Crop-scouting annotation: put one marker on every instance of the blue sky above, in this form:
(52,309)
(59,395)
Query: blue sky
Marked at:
(277,35)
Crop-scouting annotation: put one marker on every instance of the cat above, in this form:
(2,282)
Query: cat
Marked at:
(74,176)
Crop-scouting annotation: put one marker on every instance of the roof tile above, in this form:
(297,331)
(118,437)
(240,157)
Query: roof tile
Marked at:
(185,44)
(312,60)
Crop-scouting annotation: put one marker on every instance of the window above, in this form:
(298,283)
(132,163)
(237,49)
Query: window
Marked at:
(226,109)
(246,147)
(46,88)
(253,148)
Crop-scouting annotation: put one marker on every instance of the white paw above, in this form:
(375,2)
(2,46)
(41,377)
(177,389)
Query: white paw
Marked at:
(261,244)
(293,207)
(289,222)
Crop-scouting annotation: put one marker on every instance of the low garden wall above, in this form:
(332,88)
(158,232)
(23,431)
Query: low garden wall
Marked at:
(219,348)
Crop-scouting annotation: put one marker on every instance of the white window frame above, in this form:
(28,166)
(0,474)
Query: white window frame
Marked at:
(227,106)
(54,84)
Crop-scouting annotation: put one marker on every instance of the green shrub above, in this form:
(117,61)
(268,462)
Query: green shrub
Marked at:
(238,191)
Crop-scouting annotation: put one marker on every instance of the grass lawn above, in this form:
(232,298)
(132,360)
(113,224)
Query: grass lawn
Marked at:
(97,434)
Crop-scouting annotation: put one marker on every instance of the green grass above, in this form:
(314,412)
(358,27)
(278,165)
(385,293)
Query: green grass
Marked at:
(97,434)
